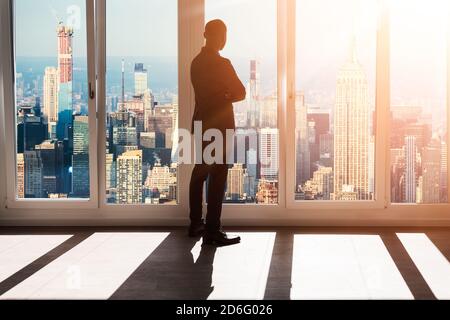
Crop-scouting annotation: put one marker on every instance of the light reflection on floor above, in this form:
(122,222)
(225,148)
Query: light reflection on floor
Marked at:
(241,271)
(92,270)
(432,264)
(345,267)
(324,266)
(18,251)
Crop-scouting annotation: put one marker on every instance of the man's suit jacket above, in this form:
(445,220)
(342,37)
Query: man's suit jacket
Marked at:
(216,86)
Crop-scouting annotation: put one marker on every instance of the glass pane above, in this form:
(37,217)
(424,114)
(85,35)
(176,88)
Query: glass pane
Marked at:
(335,100)
(51,99)
(418,101)
(252,49)
(141,101)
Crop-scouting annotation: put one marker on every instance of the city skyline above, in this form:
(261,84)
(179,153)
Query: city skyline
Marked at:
(334,134)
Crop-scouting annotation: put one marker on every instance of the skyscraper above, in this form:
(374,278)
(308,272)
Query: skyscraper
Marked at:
(302,140)
(444,177)
(20,176)
(159,181)
(123,131)
(323,179)
(268,149)
(321,124)
(431,172)
(410,169)
(33,174)
(110,168)
(235,182)
(254,95)
(51,94)
(129,177)
(65,73)
(80,162)
(351,131)
(140,79)
(51,154)
(31,129)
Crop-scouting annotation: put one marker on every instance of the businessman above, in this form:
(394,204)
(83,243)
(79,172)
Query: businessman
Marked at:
(216,86)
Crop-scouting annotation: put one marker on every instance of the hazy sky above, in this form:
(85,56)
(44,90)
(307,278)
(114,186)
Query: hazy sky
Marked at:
(324,30)
(134,27)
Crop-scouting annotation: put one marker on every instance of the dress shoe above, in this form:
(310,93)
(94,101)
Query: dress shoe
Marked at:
(197,229)
(219,239)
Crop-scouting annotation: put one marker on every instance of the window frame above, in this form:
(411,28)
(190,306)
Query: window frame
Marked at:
(9,72)
(287,212)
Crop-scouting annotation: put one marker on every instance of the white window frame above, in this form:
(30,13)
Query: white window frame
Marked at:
(288,212)
(8,67)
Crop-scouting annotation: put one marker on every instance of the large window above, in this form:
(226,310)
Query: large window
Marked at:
(252,48)
(418,141)
(346,107)
(141,101)
(52,124)
(335,99)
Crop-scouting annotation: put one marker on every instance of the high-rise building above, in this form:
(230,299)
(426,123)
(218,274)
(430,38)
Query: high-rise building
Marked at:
(235,183)
(159,181)
(51,154)
(159,124)
(50,109)
(136,106)
(174,139)
(149,105)
(80,162)
(268,150)
(371,167)
(303,170)
(110,170)
(140,79)
(326,149)
(122,131)
(397,174)
(253,111)
(321,124)
(31,129)
(444,177)
(148,140)
(65,78)
(129,177)
(351,131)
(33,174)
(268,112)
(410,169)
(431,172)
(267,192)
(323,179)
(20,180)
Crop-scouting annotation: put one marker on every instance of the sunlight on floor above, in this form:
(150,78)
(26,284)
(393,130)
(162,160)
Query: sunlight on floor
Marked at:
(432,264)
(324,266)
(241,271)
(92,270)
(345,267)
(18,251)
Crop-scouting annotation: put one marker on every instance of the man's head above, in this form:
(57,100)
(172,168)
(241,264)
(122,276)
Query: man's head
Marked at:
(216,34)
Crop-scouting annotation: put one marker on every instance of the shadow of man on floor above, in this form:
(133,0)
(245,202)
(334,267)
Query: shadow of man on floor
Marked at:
(170,272)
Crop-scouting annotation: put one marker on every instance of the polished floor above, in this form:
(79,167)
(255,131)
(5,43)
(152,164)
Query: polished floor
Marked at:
(272,263)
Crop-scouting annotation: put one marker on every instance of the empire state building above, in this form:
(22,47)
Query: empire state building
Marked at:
(351,131)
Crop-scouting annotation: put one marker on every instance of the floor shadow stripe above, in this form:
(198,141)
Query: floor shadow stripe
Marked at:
(279,281)
(41,262)
(407,268)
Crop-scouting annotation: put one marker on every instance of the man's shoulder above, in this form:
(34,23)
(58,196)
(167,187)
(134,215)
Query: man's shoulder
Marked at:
(202,56)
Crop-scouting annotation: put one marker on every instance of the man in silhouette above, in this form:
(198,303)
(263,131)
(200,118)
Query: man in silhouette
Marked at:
(216,86)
